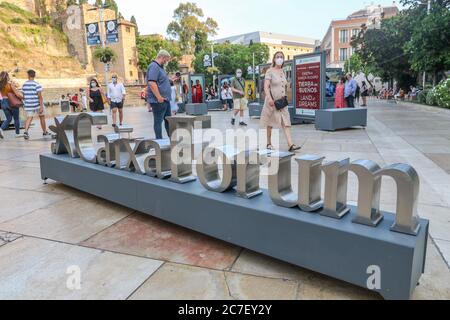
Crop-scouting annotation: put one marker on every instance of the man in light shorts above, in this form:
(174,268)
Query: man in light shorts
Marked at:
(116,98)
(33,103)
(239,100)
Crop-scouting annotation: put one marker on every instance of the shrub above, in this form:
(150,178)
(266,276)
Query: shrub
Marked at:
(17,20)
(431,98)
(422,96)
(105,55)
(442,94)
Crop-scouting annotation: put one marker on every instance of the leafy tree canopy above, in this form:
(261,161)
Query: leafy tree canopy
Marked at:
(187,24)
(232,57)
(148,48)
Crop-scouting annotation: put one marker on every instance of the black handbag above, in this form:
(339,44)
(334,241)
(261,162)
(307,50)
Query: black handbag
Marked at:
(280,104)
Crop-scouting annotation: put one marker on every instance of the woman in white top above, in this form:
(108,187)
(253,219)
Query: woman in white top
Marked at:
(173,99)
(227,97)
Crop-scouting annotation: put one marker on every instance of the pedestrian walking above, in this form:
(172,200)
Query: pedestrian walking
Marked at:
(340,102)
(160,92)
(239,100)
(83,98)
(274,115)
(33,103)
(364,93)
(173,98)
(350,91)
(10,104)
(116,98)
(96,97)
(227,97)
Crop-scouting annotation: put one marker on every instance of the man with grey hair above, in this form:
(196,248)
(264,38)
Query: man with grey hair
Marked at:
(159,92)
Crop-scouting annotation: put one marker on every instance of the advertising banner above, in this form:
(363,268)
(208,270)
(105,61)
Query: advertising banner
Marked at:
(93,34)
(112,31)
(308,85)
(250,90)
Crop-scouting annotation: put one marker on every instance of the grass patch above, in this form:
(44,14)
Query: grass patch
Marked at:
(14,43)
(17,20)
(13,7)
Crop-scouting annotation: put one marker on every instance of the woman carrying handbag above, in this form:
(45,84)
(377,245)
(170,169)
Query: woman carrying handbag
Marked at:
(11,103)
(275,113)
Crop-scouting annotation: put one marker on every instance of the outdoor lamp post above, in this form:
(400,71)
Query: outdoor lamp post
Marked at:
(102,35)
(425,73)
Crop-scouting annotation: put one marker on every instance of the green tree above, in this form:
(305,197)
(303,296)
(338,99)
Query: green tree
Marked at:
(112,4)
(81,2)
(201,41)
(429,46)
(382,50)
(232,57)
(133,20)
(357,64)
(148,48)
(187,22)
(98,3)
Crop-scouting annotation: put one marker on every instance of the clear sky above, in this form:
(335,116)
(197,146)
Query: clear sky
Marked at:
(308,18)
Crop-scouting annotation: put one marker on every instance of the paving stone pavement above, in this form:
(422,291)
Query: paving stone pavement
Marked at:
(50,233)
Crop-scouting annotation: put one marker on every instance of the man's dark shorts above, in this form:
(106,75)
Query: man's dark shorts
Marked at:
(118,105)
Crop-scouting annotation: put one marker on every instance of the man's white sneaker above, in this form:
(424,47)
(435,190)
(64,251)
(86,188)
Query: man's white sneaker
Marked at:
(1,134)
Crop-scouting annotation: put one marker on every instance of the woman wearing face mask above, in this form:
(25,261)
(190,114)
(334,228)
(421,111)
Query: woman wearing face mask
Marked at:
(95,95)
(274,89)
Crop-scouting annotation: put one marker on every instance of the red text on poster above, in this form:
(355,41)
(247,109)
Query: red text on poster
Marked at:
(308,83)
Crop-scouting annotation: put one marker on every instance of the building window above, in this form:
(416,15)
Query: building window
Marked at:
(130,62)
(355,32)
(353,50)
(343,36)
(128,29)
(131,73)
(343,54)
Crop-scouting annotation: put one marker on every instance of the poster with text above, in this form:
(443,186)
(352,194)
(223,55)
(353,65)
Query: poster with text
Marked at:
(308,84)
(112,31)
(250,90)
(93,34)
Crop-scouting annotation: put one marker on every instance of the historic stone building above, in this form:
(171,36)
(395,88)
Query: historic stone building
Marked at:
(288,44)
(75,18)
(337,40)
(126,64)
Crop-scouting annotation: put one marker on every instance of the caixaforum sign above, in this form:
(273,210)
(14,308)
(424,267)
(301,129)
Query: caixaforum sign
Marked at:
(221,169)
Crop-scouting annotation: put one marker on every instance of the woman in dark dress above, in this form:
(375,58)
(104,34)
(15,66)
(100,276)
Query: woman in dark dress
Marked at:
(95,95)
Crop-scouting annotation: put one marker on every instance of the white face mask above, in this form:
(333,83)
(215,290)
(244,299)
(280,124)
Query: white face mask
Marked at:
(239,74)
(93,85)
(279,61)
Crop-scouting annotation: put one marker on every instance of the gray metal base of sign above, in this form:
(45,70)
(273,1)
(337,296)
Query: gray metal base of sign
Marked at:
(214,105)
(181,107)
(336,119)
(196,109)
(337,248)
(255,109)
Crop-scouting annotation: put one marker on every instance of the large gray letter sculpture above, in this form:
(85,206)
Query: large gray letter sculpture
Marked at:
(107,155)
(175,159)
(369,192)
(83,135)
(159,164)
(408,186)
(248,175)
(208,168)
(310,182)
(336,183)
(65,140)
(280,185)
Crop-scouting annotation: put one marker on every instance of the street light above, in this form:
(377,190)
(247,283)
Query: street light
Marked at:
(425,73)
(102,35)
